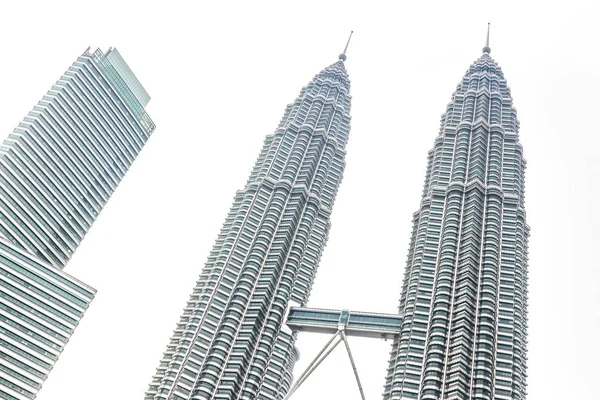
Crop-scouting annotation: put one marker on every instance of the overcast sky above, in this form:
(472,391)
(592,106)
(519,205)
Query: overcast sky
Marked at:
(220,76)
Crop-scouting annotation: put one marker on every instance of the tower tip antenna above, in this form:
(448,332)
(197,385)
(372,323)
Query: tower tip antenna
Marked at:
(343,55)
(487,49)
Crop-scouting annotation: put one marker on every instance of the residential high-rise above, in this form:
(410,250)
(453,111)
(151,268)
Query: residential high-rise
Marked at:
(231,342)
(464,296)
(57,170)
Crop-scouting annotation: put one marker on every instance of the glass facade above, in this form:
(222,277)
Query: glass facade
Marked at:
(373,325)
(40,307)
(57,170)
(62,163)
(231,341)
(464,295)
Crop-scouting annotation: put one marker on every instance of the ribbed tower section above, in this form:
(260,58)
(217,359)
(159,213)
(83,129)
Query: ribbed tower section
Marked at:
(464,294)
(231,342)
(61,164)
(57,170)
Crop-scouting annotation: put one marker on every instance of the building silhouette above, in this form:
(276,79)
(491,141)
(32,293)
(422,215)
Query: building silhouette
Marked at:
(464,295)
(57,170)
(232,340)
(461,328)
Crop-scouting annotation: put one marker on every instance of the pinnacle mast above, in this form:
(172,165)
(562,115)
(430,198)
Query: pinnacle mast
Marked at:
(487,49)
(343,55)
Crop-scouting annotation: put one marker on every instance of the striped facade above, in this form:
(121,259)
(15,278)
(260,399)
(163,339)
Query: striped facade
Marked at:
(464,296)
(62,163)
(57,170)
(40,307)
(231,342)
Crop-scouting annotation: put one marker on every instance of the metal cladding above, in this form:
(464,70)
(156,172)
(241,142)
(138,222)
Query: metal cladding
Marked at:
(57,170)
(40,308)
(464,296)
(231,341)
(62,163)
(354,323)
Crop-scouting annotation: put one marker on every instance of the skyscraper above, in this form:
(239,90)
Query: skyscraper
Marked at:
(67,156)
(231,341)
(57,170)
(464,296)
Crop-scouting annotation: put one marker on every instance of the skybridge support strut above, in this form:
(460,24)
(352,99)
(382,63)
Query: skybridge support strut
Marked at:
(325,351)
(360,389)
(340,324)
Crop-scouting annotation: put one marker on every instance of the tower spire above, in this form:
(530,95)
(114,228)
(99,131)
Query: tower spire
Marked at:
(487,49)
(343,55)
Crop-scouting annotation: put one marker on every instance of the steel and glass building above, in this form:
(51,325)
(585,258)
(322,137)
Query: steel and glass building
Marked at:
(464,295)
(57,170)
(64,160)
(40,307)
(231,342)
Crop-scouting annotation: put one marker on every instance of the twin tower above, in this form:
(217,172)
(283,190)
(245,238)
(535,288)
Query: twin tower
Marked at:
(461,328)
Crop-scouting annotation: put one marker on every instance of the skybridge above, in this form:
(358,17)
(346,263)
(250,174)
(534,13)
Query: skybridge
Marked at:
(355,323)
(340,324)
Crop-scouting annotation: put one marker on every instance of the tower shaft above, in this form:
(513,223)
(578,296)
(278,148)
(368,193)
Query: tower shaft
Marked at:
(57,170)
(464,294)
(231,342)
(62,163)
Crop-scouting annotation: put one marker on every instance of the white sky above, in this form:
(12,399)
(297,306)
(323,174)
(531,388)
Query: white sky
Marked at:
(220,76)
